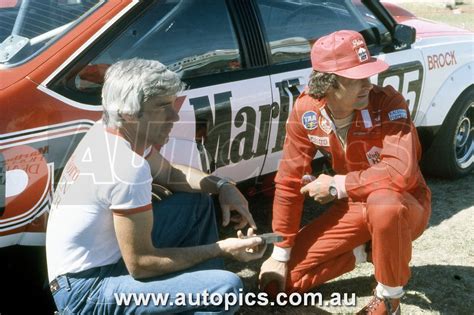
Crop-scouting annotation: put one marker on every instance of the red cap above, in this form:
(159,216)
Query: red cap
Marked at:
(345,53)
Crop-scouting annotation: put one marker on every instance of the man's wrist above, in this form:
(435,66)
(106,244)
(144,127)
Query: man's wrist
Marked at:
(333,191)
(281,254)
(340,183)
(218,250)
(222,182)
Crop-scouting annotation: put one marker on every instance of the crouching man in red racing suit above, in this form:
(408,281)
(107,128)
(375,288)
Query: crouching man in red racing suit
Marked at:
(379,195)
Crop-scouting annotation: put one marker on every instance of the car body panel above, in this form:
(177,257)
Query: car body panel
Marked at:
(286,86)
(446,92)
(234,115)
(53,56)
(452,60)
(426,28)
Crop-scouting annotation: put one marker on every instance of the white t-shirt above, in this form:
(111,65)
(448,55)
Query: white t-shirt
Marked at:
(103,177)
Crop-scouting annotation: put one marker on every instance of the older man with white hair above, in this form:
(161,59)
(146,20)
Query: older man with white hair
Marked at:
(106,240)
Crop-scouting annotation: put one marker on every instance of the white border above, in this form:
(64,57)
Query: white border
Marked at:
(68,101)
(46,127)
(44,198)
(46,133)
(45,138)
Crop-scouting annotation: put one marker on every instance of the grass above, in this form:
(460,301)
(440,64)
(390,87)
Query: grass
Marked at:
(461,16)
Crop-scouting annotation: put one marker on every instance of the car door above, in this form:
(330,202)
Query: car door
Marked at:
(225,109)
(291,28)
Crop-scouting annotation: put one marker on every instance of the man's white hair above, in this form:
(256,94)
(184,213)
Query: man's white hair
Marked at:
(130,83)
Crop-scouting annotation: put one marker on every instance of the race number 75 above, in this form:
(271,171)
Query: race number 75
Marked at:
(406,78)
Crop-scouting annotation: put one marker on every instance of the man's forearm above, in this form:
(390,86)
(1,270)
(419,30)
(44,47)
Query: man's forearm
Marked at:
(188,179)
(167,260)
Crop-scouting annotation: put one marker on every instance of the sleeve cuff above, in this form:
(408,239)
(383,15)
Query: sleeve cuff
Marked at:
(281,253)
(125,212)
(340,181)
(147,152)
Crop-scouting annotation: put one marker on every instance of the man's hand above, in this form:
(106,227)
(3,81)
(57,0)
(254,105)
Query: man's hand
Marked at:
(273,271)
(231,199)
(319,189)
(243,249)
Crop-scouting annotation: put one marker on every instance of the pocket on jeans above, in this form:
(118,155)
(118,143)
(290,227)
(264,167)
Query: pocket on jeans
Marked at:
(65,311)
(59,298)
(62,299)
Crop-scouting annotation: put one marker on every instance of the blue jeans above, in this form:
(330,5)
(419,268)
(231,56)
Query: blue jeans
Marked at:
(181,220)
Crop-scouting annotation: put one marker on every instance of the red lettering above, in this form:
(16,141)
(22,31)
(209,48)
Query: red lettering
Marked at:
(35,159)
(443,59)
(435,61)
(72,171)
(37,185)
(33,169)
(21,157)
(430,63)
(453,58)
(449,60)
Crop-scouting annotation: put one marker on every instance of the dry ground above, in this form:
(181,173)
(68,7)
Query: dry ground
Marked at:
(442,265)
(462,15)
(443,257)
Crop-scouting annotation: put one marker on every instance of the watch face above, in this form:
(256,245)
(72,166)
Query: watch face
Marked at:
(333,191)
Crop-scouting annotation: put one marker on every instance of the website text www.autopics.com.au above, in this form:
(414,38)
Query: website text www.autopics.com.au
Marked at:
(231,299)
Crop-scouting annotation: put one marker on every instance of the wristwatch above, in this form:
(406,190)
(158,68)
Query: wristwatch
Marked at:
(221,182)
(333,190)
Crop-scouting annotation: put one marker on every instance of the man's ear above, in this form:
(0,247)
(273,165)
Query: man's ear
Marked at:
(332,88)
(129,118)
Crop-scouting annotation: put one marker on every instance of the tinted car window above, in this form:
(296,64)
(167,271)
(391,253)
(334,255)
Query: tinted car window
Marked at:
(27,27)
(293,26)
(193,38)
(376,26)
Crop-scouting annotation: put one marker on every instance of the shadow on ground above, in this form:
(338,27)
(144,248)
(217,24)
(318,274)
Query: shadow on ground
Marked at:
(448,197)
(433,288)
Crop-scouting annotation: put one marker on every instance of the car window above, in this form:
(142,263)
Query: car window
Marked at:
(292,26)
(29,26)
(373,22)
(192,38)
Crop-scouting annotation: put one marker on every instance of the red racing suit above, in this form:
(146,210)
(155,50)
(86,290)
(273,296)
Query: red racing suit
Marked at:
(381,159)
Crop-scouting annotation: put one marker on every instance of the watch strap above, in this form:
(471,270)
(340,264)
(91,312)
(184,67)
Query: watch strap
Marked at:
(223,181)
(333,189)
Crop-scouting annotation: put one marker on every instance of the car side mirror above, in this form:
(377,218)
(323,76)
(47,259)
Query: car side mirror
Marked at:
(403,36)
